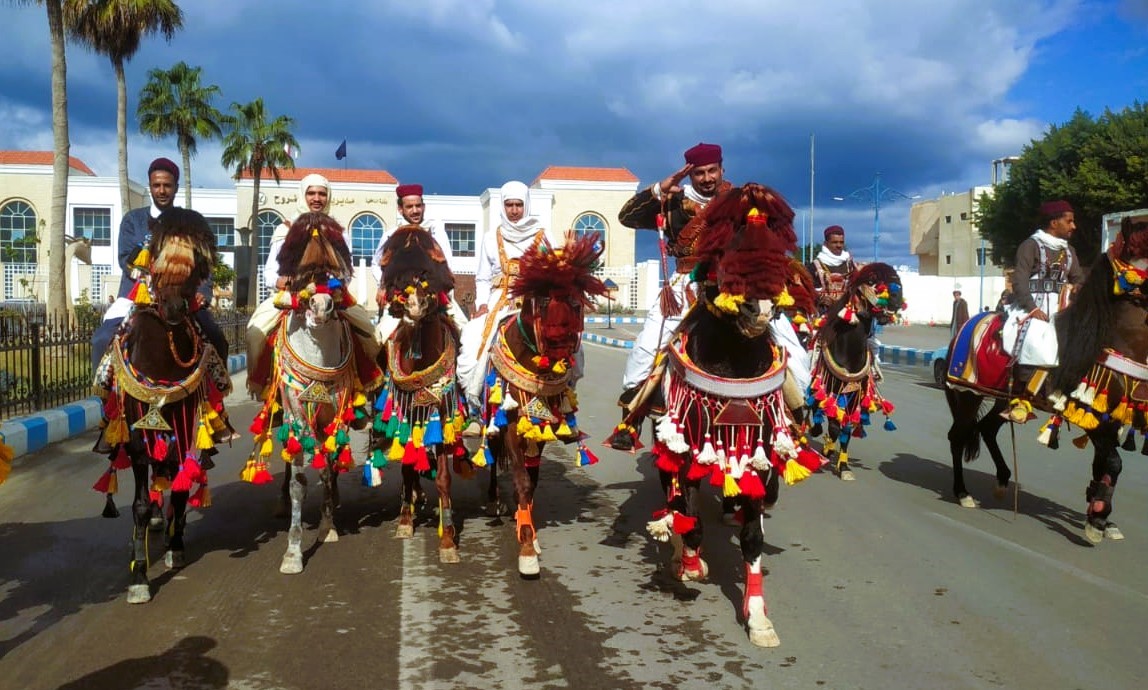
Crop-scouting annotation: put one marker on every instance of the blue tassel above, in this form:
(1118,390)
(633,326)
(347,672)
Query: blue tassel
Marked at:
(843,437)
(865,419)
(819,416)
(381,401)
(842,401)
(488,455)
(889,425)
(432,435)
(500,418)
(334,284)
(491,377)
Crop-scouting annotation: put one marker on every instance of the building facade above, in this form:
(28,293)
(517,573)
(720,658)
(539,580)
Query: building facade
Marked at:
(943,235)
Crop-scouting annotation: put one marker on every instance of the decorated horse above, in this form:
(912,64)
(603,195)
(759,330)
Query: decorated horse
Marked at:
(528,392)
(421,410)
(1100,385)
(843,392)
(726,420)
(320,376)
(163,385)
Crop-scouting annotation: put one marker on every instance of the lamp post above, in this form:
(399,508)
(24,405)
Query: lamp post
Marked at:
(611,287)
(875,194)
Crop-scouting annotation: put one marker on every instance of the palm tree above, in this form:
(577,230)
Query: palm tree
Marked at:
(175,102)
(115,28)
(256,144)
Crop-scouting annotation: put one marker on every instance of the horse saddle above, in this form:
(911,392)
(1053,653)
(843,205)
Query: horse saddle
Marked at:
(977,357)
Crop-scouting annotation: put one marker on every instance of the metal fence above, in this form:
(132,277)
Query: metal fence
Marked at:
(46,360)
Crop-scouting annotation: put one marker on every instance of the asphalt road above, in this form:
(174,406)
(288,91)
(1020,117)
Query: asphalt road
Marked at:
(880,583)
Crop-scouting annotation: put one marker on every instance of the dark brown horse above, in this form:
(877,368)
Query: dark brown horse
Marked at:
(843,392)
(1100,385)
(165,386)
(726,418)
(420,408)
(528,390)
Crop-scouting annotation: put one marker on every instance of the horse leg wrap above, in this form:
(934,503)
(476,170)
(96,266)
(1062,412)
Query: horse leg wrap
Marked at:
(692,566)
(445,519)
(1099,497)
(532,461)
(842,460)
(524,519)
(754,585)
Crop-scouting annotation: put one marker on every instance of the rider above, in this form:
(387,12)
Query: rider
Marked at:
(832,268)
(135,231)
(498,256)
(680,206)
(1047,272)
(413,209)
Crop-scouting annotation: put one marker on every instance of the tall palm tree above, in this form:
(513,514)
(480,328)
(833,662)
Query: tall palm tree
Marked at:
(175,102)
(115,28)
(256,144)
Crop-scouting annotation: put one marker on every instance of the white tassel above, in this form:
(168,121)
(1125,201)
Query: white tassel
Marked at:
(1081,389)
(491,429)
(783,444)
(1045,434)
(665,429)
(737,467)
(707,455)
(662,528)
(1089,396)
(1059,401)
(721,458)
(508,402)
(760,460)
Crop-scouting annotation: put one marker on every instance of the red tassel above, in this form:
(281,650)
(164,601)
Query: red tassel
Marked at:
(809,459)
(201,498)
(318,462)
(262,476)
(182,481)
(155,497)
(293,446)
(330,429)
(887,407)
(422,462)
(855,416)
(776,461)
(122,460)
(112,407)
(666,462)
(348,415)
(717,476)
(697,471)
(345,460)
(751,486)
(259,424)
(103,482)
(409,456)
(684,523)
(159,448)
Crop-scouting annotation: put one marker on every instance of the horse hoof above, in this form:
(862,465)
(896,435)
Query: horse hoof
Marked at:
(174,560)
(528,567)
(331,537)
(1000,491)
(139,594)
(694,574)
(450,556)
(156,524)
(1092,534)
(404,531)
(292,564)
(968,501)
(1113,532)
(847,476)
(765,636)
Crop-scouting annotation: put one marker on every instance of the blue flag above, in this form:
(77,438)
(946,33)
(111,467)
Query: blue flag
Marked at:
(341,152)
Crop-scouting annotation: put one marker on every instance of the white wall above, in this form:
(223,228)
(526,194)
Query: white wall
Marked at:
(930,298)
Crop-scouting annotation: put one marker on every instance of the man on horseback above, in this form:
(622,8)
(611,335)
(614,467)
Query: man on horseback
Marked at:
(1046,273)
(498,256)
(832,268)
(413,210)
(675,210)
(135,231)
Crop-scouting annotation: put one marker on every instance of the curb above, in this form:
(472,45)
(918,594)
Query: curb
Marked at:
(33,432)
(895,354)
(615,319)
(610,342)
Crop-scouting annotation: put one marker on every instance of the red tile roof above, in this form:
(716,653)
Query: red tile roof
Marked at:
(564,172)
(41,158)
(332,175)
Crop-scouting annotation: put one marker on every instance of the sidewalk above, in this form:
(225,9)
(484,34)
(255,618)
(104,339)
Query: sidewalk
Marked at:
(913,345)
(31,433)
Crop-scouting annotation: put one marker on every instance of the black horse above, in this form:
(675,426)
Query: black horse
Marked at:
(1103,344)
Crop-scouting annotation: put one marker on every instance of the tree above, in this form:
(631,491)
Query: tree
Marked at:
(175,102)
(115,28)
(1099,166)
(256,144)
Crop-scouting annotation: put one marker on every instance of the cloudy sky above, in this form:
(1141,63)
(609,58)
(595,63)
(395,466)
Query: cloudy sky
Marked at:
(462,95)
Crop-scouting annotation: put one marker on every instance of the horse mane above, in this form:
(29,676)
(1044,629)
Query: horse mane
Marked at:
(411,254)
(314,249)
(746,240)
(183,247)
(565,270)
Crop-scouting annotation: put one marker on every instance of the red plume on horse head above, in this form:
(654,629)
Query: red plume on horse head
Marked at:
(563,271)
(745,242)
(308,260)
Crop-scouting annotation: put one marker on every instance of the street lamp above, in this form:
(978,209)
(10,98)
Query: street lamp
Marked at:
(874,194)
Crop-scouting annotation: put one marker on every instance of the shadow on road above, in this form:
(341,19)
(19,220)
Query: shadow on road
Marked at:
(938,478)
(184,665)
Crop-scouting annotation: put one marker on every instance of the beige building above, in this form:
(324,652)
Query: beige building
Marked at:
(944,236)
(584,199)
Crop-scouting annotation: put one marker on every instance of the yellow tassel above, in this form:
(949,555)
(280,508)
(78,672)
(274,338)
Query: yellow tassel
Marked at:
(248,472)
(795,472)
(1080,441)
(559,367)
(458,424)
(117,431)
(1100,403)
(785,299)
(360,399)
(203,437)
(275,406)
(564,430)
(547,434)
(1121,409)
(495,397)
(142,295)
(524,425)
(396,451)
(448,436)
(266,448)
(113,483)
(205,498)
(160,484)
(730,487)
(533,434)
(143,259)
(479,458)
(286,456)
(329,444)
(1089,421)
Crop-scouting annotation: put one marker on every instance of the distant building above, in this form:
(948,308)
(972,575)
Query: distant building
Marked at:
(944,236)
(579,198)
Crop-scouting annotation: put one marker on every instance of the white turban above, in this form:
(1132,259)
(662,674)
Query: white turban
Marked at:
(522,229)
(312,180)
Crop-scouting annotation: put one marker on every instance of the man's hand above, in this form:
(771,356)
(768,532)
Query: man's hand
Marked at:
(381,298)
(282,283)
(1038,313)
(673,183)
(481,311)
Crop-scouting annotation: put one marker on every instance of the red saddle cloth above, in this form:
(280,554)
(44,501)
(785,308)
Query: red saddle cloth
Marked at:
(982,363)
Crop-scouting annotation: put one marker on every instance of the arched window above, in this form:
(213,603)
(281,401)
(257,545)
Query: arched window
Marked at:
(265,224)
(590,222)
(17,233)
(366,231)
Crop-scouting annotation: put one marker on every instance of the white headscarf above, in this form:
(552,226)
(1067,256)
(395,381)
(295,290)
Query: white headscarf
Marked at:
(1056,244)
(312,180)
(528,226)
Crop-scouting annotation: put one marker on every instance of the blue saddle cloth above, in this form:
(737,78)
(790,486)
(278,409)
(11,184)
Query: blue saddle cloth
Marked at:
(961,348)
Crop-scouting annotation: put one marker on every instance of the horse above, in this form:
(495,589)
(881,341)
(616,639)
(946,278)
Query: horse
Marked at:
(163,385)
(726,418)
(421,410)
(319,390)
(528,390)
(843,392)
(1100,385)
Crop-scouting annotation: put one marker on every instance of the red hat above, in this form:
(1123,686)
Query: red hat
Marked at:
(408,190)
(1052,209)
(166,165)
(834,230)
(704,154)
